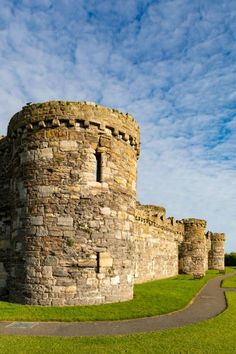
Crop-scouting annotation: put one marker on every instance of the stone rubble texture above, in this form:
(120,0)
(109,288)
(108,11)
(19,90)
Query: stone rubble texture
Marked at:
(67,238)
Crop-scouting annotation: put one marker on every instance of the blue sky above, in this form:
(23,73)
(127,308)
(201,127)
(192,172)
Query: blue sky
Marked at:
(170,63)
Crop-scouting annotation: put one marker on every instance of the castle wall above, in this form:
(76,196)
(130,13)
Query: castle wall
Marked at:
(72,234)
(71,231)
(156,241)
(4,215)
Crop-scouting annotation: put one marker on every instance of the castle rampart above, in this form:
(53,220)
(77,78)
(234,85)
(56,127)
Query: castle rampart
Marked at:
(156,243)
(71,231)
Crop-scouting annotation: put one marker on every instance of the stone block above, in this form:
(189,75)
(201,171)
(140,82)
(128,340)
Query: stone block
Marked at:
(105,211)
(44,154)
(105,260)
(46,191)
(65,221)
(93,282)
(36,220)
(32,261)
(30,271)
(60,272)
(68,145)
(115,280)
(41,231)
(64,282)
(46,272)
(50,260)
(72,289)
(87,262)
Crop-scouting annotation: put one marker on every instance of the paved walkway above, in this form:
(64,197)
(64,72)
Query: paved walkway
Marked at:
(208,303)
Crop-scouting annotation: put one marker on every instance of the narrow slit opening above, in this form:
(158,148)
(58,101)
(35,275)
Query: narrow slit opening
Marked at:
(98,263)
(98,156)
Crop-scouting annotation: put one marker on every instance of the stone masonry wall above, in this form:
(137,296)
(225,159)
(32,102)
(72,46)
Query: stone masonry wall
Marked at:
(71,234)
(156,244)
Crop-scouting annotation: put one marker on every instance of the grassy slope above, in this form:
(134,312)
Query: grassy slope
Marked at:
(153,298)
(213,336)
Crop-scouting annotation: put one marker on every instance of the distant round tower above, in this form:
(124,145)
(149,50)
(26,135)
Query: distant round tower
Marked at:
(193,248)
(216,254)
(73,201)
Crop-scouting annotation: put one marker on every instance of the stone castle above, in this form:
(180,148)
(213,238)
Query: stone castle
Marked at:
(71,231)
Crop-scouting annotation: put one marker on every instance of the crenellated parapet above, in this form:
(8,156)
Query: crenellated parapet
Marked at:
(153,215)
(82,115)
(216,252)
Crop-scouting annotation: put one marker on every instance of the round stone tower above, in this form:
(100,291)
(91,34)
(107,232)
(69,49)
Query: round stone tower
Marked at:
(73,201)
(216,254)
(193,248)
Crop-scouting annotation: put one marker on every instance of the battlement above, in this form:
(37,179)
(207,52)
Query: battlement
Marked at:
(217,236)
(154,215)
(196,222)
(54,114)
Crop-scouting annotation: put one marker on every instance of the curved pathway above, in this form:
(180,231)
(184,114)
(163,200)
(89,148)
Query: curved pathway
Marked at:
(208,303)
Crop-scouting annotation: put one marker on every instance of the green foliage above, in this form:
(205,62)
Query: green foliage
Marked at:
(230,259)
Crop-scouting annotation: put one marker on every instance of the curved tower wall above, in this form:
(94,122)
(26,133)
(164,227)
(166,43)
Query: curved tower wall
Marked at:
(192,252)
(216,254)
(74,193)
(5,151)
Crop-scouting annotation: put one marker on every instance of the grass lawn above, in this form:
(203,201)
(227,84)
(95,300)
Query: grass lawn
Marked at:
(207,337)
(152,298)
(229,283)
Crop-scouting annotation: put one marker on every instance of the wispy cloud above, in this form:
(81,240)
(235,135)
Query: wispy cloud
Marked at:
(170,63)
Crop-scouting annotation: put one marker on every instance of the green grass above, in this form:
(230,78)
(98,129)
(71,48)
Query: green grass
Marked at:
(230,269)
(215,336)
(229,283)
(152,298)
